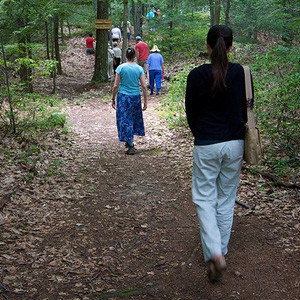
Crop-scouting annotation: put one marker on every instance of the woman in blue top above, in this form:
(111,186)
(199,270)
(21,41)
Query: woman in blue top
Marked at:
(155,66)
(128,108)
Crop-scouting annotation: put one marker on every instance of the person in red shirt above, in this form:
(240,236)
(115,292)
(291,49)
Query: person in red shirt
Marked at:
(89,43)
(142,52)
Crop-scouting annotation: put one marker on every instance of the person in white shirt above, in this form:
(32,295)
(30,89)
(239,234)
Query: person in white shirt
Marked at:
(117,57)
(128,31)
(110,60)
(116,34)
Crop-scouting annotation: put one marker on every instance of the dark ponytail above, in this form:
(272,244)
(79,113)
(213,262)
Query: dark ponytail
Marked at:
(130,54)
(219,39)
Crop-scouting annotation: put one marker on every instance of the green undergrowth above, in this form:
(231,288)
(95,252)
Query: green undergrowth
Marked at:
(36,113)
(186,37)
(39,125)
(277,95)
(172,106)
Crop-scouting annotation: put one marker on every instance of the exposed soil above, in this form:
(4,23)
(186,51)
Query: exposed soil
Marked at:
(111,226)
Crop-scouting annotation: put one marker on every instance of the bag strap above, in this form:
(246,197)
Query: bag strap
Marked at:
(248,85)
(249,97)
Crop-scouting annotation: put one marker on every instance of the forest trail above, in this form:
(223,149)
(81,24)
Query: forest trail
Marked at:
(113,226)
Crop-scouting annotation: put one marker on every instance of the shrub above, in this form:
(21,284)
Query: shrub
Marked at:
(185,40)
(173,107)
(277,85)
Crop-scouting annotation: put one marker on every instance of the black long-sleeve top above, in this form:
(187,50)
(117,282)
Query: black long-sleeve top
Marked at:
(222,117)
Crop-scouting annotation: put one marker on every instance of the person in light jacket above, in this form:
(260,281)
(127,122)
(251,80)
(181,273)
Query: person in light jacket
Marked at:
(110,60)
(155,67)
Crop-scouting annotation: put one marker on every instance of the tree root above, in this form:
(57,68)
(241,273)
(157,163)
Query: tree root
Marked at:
(275,180)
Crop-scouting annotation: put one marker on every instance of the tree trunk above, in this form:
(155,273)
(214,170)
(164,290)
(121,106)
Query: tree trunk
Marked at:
(53,73)
(53,81)
(288,34)
(25,71)
(62,31)
(69,28)
(47,39)
(212,11)
(172,5)
(137,17)
(227,5)
(133,11)
(144,9)
(29,70)
(101,59)
(56,43)
(217,15)
(22,50)
(51,42)
(9,97)
(125,19)
(143,13)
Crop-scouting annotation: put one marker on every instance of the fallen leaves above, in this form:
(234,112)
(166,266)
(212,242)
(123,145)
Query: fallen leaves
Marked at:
(101,220)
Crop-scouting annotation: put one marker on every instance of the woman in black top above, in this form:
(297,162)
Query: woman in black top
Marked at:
(216,113)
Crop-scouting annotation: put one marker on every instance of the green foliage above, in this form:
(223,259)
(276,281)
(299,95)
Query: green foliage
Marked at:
(83,18)
(277,86)
(28,156)
(173,107)
(56,119)
(45,67)
(185,39)
(23,108)
(24,18)
(116,12)
(37,116)
(277,17)
(40,67)
(36,113)
(55,168)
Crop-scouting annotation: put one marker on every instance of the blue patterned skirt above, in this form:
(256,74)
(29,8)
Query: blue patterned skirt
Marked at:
(129,117)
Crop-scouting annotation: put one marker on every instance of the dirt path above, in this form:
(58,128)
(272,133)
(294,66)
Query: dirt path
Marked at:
(140,226)
(112,226)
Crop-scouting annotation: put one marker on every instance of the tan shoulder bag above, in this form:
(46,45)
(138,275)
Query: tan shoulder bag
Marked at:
(253,147)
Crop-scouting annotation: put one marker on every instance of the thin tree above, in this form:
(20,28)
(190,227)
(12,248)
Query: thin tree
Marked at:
(212,11)
(215,12)
(25,71)
(124,28)
(227,4)
(100,69)
(11,113)
(56,43)
(137,17)
(54,70)
(217,15)
(47,40)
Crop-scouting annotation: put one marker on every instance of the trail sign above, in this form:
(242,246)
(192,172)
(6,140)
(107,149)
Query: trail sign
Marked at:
(103,24)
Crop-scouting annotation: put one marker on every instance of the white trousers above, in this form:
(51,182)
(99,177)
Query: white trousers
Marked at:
(216,172)
(110,68)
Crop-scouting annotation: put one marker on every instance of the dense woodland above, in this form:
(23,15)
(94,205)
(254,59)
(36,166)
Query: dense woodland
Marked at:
(34,34)
(79,219)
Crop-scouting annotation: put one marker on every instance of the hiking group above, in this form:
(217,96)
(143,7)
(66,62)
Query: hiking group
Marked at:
(215,103)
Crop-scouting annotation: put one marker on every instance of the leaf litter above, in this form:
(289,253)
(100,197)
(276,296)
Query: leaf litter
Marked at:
(105,223)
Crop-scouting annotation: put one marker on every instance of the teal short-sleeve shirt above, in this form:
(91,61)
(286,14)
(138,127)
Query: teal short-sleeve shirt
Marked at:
(130,75)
